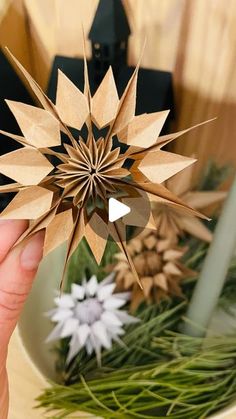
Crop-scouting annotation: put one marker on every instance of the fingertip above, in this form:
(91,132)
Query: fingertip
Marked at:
(32,252)
(10,231)
(17,273)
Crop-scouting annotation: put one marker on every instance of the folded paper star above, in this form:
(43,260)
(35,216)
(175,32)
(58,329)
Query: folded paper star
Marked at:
(173,223)
(63,184)
(158,263)
(91,316)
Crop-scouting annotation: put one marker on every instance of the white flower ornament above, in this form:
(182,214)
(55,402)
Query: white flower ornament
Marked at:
(91,316)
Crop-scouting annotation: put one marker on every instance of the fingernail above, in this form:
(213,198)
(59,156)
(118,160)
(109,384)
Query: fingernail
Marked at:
(33,252)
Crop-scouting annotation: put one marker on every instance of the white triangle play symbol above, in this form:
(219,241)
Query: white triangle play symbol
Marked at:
(116,210)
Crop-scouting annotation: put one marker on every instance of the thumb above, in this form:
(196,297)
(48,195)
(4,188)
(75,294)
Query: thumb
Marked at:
(17,272)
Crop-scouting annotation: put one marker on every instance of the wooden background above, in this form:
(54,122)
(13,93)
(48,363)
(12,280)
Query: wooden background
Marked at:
(196,39)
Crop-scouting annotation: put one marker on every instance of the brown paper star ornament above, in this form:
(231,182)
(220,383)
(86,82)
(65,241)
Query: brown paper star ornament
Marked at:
(63,186)
(158,265)
(173,222)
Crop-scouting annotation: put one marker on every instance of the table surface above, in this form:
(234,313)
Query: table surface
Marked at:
(26,383)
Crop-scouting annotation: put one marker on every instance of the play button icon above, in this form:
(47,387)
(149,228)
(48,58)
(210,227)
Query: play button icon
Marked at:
(117,209)
(130,213)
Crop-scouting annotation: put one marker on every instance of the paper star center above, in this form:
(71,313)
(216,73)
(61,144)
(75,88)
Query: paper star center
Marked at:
(88,311)
(90,170)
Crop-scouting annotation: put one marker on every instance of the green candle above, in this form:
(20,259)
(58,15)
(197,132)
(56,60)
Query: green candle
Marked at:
(212,278)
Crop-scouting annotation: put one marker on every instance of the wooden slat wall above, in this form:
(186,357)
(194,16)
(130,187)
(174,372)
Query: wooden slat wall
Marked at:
(59,29)
(205,79)
(196,39)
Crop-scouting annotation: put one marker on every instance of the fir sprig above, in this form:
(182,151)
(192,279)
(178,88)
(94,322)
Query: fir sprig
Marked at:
(135,350)
(196,378)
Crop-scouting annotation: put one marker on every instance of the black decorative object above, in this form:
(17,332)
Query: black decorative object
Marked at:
(11,88)
(109,36)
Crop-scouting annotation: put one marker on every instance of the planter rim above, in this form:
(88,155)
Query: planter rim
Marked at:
(35,369)
(227,413)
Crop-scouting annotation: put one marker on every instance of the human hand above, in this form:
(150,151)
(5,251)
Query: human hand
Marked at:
(18,267)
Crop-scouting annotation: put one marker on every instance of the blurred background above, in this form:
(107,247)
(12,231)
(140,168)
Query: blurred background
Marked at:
(193,39)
